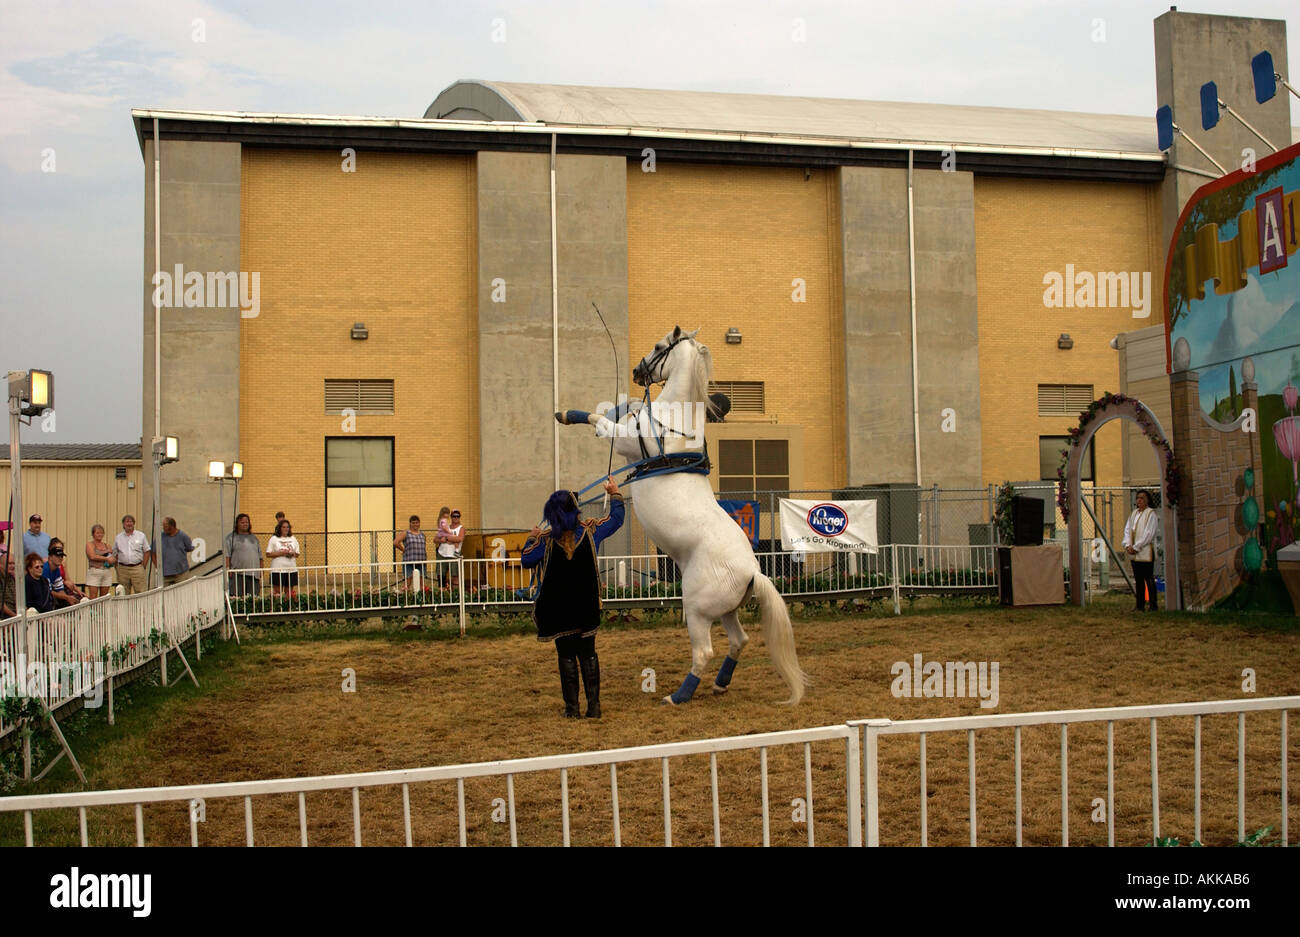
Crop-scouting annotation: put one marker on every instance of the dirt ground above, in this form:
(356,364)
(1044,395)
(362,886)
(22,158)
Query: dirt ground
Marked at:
(279,710)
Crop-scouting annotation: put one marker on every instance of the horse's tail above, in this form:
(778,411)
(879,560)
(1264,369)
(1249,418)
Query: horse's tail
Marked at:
(779,635)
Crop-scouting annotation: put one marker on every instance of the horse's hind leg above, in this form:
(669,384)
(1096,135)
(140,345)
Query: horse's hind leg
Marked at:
(736,639)
(697,626)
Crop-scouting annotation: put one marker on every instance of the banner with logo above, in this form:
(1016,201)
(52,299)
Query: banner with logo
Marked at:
(829,526)
(744,513)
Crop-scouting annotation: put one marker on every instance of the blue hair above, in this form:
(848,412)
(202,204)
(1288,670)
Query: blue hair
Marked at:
(561,511)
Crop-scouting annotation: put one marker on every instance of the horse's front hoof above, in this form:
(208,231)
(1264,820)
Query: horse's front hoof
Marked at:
(559,418)
(718,690)
(668,700)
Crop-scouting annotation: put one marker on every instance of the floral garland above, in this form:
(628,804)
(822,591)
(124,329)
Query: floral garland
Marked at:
(1173,481)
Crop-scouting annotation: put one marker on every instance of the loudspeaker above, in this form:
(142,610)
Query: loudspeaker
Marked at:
(1027,521)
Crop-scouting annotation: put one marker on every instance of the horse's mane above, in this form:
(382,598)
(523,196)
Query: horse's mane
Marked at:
(701,374)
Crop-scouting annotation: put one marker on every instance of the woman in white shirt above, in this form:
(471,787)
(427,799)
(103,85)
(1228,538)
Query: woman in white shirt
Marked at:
(1139,544)
(283,550)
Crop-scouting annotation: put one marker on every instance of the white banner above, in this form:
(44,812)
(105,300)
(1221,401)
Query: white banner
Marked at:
(828,526)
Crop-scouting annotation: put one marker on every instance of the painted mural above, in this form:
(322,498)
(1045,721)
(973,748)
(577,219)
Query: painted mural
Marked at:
(1232,291)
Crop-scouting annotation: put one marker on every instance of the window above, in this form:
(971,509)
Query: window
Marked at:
(365,397)
(358,499)
(1063,399)
(1049,458)
(745,396)
(747,466)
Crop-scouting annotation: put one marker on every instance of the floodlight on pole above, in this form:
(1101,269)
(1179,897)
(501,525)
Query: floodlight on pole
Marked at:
(236,470)
(216,470)
(30,394)
(166,450)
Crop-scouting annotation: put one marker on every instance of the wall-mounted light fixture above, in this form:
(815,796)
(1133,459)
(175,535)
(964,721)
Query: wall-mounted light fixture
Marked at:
(1065,343)
(359,331)
(733,336)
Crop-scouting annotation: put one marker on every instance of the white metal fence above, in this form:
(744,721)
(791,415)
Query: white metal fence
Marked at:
(104,638)
(475,585)
(861,741)
(874,729)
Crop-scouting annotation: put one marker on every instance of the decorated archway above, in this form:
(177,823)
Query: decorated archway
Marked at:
(1099,413)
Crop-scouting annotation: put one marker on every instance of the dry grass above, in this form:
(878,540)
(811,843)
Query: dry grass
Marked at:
(281,713)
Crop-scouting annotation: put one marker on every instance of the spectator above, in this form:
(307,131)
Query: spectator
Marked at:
(174,546)
(449,547)
(283,549)
(410,543)
(63,589)
(444,524)
(34,541)
(37,586)
(131,550)
(8,586)
(244,558)
(1139,543)
(99,557)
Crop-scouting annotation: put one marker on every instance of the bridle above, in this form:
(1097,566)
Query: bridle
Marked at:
(643,373)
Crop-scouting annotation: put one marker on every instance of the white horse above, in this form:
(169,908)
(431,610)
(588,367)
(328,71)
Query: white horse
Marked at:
(682,516)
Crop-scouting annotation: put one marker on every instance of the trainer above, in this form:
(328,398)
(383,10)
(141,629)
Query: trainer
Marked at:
(567,609)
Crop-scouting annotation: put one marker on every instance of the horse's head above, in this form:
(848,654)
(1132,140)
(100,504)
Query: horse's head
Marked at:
(665,357)
(679,352)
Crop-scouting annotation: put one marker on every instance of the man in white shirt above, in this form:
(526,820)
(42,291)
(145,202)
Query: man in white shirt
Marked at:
(131,547)
(1139,544)
(449,547)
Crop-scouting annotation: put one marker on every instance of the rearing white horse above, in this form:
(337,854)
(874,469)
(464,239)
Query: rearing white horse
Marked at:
(682,516)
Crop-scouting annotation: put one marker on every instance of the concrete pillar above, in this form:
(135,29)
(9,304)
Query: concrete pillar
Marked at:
(515,384)
(878,327)
(1193,48)
(200,344)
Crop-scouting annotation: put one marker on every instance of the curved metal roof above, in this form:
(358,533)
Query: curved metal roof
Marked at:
(830,118)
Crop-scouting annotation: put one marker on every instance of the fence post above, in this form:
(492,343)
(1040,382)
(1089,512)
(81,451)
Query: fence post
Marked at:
(893,576)
(870,778)
(853,793)
(992,526)
(936,536)
(460,591)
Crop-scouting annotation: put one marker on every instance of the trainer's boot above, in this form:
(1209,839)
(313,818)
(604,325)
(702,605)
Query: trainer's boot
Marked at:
(591,683)
(569,686)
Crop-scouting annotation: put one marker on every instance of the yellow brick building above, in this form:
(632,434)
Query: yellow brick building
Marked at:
(406,266)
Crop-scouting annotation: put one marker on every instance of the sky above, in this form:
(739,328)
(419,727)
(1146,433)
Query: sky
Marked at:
(72,174)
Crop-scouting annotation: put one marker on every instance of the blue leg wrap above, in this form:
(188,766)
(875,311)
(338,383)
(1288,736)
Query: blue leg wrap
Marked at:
(725,671)
(575,417)
(686,690)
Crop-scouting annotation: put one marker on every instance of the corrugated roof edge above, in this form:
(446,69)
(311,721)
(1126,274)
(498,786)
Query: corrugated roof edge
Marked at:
(77,452)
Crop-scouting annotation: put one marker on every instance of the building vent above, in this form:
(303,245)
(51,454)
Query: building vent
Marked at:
(364,397)
(1064,399)
(745,396)
(119,472)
